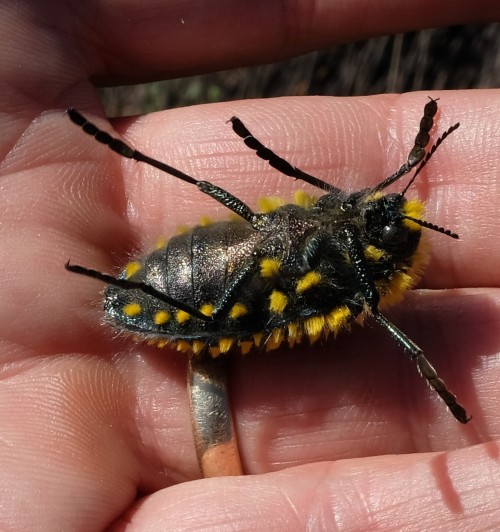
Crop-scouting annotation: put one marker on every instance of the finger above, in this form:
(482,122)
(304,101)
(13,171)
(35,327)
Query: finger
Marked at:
(65,443)
(119,42)
(133,42)
(393,492)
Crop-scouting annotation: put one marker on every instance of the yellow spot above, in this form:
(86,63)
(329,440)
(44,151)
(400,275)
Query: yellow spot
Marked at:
(198,347)
(269,267)
(238,310)
(393,292)
(402,281)
(182,229)
(309,280)
(302,199)
(270,204)
(292,330)
(294,334)
(182,316)
(415,209)
(374,197)
(132,309)
(373,254)
(406,278)
(205,220)
(132,268)
(257,338)
(245,347)
(225,344)
(161,243)
(214,352)
(314,326)
(207,309)
(275,340)
(337,318)
(161,317)
(158,342)
(277,301)
(183,346)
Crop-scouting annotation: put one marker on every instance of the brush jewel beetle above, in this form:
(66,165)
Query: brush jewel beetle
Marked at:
(297,270)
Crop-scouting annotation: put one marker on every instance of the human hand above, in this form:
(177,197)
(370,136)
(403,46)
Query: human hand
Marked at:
(95,429)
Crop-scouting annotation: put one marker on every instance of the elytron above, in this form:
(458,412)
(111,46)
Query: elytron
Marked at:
(304,269)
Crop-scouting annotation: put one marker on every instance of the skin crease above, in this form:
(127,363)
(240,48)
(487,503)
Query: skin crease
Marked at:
(94,429)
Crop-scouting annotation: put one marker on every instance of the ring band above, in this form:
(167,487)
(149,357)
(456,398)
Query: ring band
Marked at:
(212,422)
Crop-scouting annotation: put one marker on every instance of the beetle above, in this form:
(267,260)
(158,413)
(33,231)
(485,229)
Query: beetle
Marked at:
(303,269)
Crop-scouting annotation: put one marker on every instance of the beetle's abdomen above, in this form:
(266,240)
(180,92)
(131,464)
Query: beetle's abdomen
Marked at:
(283,296)
(196,268)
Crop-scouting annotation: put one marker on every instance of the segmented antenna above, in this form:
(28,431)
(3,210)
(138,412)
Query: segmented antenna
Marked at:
(434,227)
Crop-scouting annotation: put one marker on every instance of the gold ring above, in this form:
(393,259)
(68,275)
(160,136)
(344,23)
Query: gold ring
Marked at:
(213,428)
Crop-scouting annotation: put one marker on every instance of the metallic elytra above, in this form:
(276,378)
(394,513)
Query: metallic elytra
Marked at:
(295,270)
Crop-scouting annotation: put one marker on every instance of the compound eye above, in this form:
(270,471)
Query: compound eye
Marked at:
(394,236)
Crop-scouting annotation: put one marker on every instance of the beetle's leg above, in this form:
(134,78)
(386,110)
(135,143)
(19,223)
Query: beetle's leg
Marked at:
(316,247)
(126,284)
(274,160)
(224,304)
(355,249)
(249,267)
(424,367)
(117,145)
(220,310)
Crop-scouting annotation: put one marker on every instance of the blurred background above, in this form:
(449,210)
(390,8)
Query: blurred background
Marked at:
(458,57)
